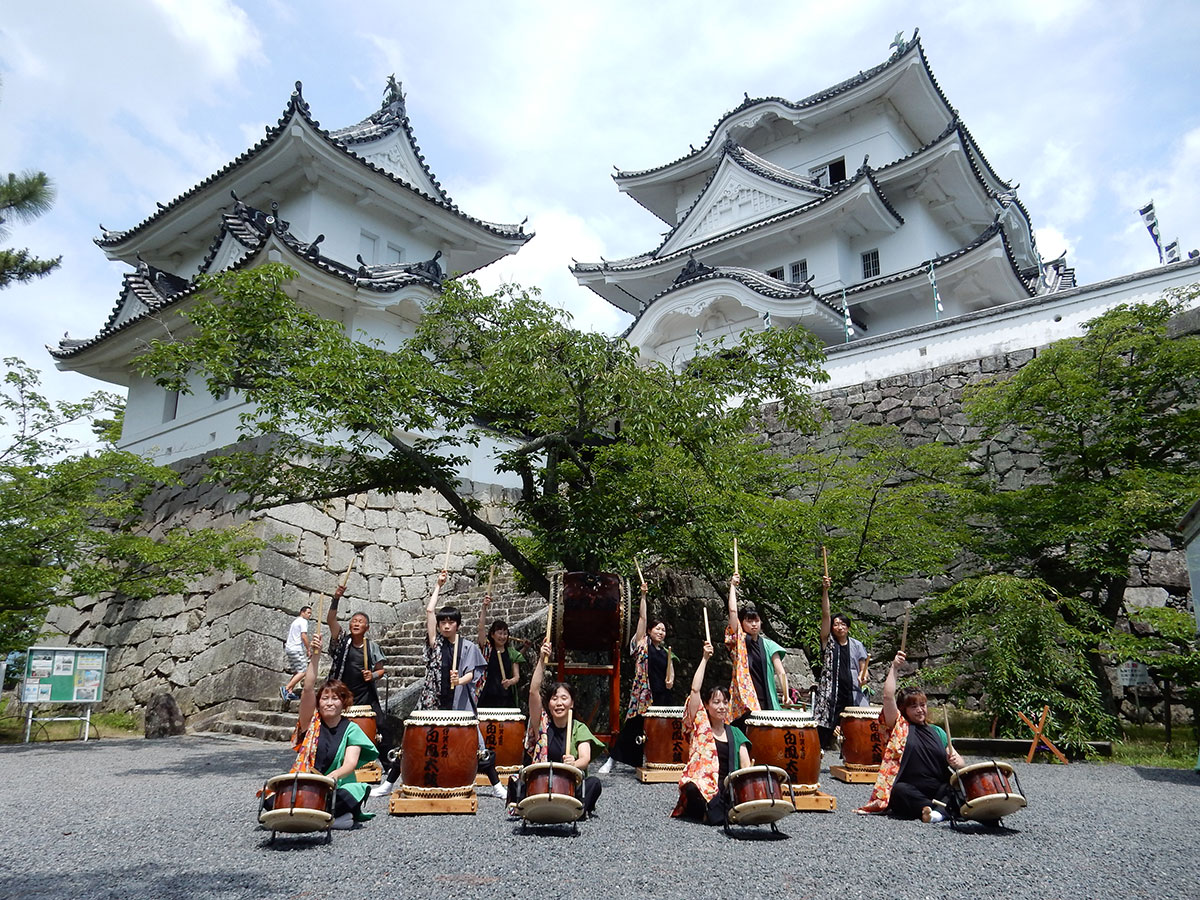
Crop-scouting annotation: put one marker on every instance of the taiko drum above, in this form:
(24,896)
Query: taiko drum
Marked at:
(666,744)
(987,791)
(787,740)
(551,793)
(504,734)
(757,795)
(863,738)
(440,749)
(301,801)
(364,717)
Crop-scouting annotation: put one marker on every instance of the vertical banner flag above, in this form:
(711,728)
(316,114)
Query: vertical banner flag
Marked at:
(766,317)
(1172,251)
(1150,217)
(937,300)
(846,313)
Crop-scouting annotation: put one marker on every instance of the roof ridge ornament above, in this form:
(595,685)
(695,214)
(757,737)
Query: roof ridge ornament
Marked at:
(393,93)
(692,269)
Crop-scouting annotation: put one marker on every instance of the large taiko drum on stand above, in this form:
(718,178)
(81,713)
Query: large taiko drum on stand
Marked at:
(504,734)
(790,741)
(665,743)
(364,717)
(552,793)
(590,611)
(988,791)
(440,754)
(297,802)
(863,737)
(758,795)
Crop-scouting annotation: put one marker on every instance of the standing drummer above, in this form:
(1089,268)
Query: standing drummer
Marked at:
(844,663)
(449,679)
(357,662)
(914,778)
(759,681)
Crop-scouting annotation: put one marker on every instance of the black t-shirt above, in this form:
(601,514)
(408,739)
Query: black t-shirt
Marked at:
(658,675)
(924,760)
(447,692)
(722,762)
(328,742)
(756,659)
(494,693)
(556,743)
(844,694)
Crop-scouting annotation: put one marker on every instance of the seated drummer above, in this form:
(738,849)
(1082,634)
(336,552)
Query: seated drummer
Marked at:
(716,750)
(546,739)
(447,686)
(914,781)
(357,662)
(330,744)
(759,681)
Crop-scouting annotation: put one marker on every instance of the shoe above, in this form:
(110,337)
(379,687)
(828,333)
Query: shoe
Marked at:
(499,791)
(513,812)
(607,767)
(293,696)
(284,693)
(382,790)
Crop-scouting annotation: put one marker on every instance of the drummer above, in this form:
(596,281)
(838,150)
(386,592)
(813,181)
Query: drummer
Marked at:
(843,670)
(331,744)
(716,750)
(653,679)
(357,662)
(759,681)
(914,781)
(499,688)
(447,685)
(546,739)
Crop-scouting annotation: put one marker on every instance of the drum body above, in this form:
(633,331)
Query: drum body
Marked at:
(863,738)
(757,795)
(364,717)
(666,744)
(987,791)
(440,749)
(552,793)
(590,611)
(302,801)
(790,741)
(504,734)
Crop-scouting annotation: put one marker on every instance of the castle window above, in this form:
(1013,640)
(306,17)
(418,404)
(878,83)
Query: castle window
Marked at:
(775,273)
(870,261)
(171,406)
(799,272)
(829,173)
(393,254)
(368,245)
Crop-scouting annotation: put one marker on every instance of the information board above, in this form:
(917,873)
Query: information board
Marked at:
(64,675)
(1133,674)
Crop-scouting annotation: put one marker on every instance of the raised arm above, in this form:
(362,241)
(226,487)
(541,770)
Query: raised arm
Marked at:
(640,634)
(693,701)
(733,591)
(891,712)
(481,634)
(331,620)
(431,611)
(535,687)
(669,681)
(308,692)
(826,619)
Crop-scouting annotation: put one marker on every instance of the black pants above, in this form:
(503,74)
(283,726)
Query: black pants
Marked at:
(908,799)
(627,748)
(711,813)
(591,791)
(344,802)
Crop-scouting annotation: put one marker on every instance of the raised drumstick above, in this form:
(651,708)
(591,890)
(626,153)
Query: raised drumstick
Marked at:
(449,544)
(904,634)
(736,571)
(570,728)
(825,559)
(707,633)
(491,575)
(641,579)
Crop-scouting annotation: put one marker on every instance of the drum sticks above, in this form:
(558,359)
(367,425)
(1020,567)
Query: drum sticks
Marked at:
(904,634)
(570,728)
(736,571)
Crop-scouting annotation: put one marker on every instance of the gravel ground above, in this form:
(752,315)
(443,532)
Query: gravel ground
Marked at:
(176,818)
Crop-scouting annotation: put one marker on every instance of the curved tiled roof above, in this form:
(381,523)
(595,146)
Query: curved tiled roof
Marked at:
(913,46)
(298,106)
(633,262)
(159,290)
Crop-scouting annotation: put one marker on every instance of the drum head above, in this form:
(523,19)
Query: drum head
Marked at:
(281,782)
(992,807)
(560,769)
(295,821)
(550,809)
(760,812)
(989,766)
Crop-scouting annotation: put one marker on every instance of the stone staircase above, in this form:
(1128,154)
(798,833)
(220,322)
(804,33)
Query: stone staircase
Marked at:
(403,646)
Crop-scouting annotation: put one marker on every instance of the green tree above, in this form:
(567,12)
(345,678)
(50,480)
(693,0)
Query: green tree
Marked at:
(1113,416)
(23,198)
(71,523)
(614,457)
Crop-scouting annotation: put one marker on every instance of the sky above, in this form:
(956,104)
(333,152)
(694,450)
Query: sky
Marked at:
(524,108)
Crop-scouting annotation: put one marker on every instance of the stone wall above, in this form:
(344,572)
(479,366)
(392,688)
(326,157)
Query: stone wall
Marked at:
(219,646)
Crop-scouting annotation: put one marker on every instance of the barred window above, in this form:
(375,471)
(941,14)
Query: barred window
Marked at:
(775,273)
(870,261)
(799,271)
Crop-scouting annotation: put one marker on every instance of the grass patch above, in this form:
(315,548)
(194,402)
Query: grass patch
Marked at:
(104,725)
(1146,745)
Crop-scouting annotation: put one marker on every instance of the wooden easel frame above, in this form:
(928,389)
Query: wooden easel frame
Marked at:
(1039,738)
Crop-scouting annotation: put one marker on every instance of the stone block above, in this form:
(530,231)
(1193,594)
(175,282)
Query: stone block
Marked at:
(1146,596)
(230,598)
(355,516)
(312,549)
(283,537)
(385,537)
(898,415)
(338,555)
(304,517)
(293,572)
(376,518)
(1168,570)
(399,562)
(358,535)
(374,561)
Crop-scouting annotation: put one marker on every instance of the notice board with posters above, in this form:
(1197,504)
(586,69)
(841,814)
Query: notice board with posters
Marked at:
(64,675)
